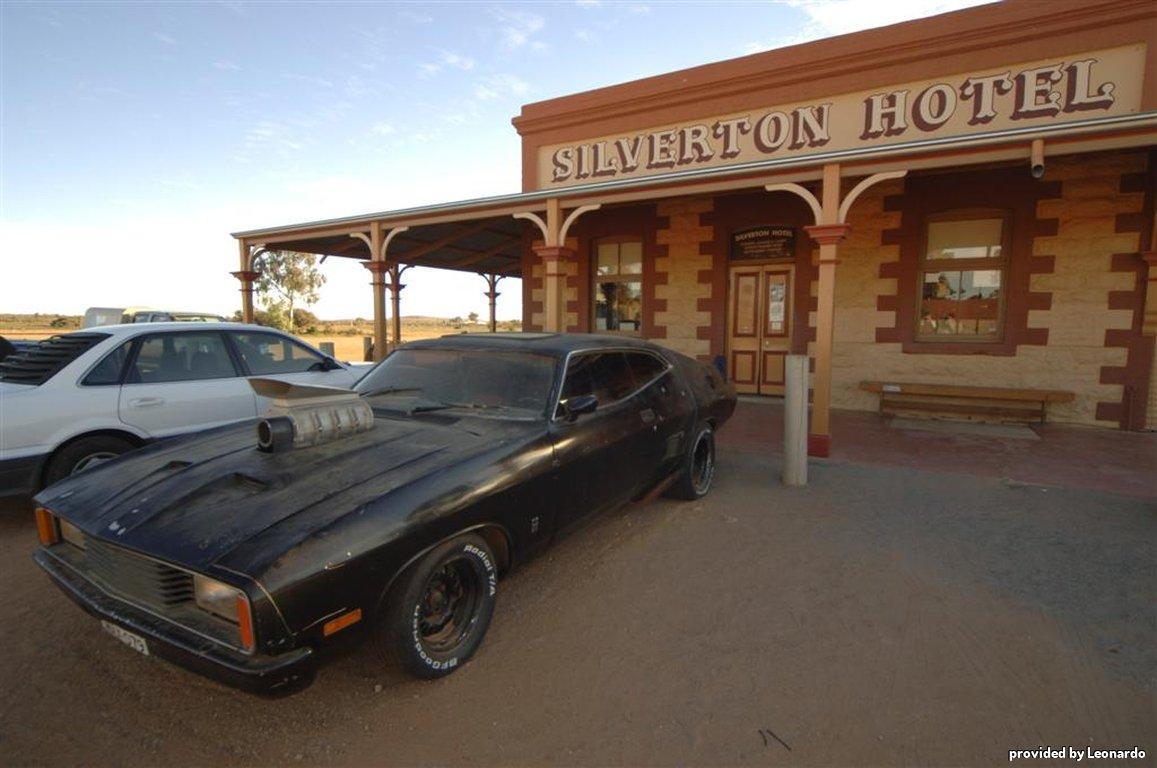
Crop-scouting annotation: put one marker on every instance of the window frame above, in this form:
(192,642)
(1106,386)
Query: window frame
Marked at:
(668,366)
(965,265)
(619,277)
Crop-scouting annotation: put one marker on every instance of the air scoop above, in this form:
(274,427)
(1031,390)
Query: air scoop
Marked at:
(300,415)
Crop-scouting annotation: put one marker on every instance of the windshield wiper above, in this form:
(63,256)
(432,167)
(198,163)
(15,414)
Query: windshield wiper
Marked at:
(390,391)
(444,405)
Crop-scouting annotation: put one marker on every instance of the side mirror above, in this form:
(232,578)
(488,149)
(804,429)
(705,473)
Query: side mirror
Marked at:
(328,364)
(580,404)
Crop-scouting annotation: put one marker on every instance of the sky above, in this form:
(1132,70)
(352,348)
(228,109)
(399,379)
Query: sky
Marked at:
(134,137)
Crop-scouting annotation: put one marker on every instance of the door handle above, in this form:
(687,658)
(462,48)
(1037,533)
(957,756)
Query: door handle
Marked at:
(146,402)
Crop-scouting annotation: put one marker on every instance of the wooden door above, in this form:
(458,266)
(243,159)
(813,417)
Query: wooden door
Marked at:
(759,327)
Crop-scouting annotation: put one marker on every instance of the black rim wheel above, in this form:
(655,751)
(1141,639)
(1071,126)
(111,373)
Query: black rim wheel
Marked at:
(449,606)
(703,463)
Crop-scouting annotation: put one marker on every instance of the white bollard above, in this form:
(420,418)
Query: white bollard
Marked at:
(795,420)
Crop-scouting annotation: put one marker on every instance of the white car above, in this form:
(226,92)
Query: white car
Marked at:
(81,398)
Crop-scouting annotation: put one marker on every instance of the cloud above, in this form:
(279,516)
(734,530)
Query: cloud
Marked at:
(827,18)
(517,27)
(382,129)
(588,3)
(226,66)
(458,61)
(499,85)
(166,39)
(584,35)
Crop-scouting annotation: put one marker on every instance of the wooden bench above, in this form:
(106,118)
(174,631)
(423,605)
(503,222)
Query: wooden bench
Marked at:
(951,401)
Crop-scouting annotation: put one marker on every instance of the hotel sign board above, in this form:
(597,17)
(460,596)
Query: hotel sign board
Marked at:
(760,243)
(1038,93)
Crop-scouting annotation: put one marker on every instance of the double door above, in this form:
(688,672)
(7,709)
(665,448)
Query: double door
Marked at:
(759,327)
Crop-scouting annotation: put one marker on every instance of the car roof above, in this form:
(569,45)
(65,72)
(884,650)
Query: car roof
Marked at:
(547,343)
(130,329)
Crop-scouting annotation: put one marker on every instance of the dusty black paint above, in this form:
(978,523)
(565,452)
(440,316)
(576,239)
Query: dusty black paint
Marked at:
(314,532)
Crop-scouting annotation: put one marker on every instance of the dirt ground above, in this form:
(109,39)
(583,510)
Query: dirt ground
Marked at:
(880,616)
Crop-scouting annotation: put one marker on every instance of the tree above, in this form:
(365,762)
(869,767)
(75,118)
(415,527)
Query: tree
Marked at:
(472,317)
(286,279)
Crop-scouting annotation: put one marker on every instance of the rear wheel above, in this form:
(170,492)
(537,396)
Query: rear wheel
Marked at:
(85,453)
(437,614)
(694,481)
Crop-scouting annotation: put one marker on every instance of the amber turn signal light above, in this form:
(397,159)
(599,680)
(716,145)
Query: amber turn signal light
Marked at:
(245,624)
(46,527)
(341,622)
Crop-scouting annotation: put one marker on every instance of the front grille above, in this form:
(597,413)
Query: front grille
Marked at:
(138,579)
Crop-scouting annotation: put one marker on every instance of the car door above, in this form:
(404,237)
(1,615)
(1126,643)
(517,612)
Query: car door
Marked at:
(182,381)
(595,453)
(667,399)
(276,356)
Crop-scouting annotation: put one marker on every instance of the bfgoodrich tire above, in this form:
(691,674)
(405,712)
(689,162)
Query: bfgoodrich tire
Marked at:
(85,453)
(694,482)
(436,615)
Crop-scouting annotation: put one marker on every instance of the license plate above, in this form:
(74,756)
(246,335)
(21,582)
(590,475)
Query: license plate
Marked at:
(136,642)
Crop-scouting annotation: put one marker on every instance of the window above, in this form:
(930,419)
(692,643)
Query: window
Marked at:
(181,357)
(618,286)
(605,375)
(962,278)
(109,370)
(269,354)
(645,367)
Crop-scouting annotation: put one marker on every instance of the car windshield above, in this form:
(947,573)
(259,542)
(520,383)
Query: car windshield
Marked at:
(502,383)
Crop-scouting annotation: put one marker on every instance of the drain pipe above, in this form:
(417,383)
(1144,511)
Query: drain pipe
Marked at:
(795,420)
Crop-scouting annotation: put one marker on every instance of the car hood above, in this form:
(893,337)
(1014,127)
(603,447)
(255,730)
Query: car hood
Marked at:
(194,501)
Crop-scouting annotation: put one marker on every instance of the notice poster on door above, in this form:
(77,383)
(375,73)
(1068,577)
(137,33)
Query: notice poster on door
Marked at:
(763,243)
(776,305)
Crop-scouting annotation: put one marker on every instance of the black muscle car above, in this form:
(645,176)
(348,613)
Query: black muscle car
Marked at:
(240,552)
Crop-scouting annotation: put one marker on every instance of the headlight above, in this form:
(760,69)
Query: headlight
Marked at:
(227,602)
(215,597)
(71,533)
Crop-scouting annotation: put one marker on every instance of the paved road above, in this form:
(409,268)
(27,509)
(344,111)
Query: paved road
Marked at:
(880,616)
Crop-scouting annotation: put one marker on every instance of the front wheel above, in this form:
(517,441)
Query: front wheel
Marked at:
(437,614)
(698,467)
(82,454)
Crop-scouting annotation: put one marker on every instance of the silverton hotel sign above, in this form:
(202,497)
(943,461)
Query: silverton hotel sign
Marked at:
(1095,83)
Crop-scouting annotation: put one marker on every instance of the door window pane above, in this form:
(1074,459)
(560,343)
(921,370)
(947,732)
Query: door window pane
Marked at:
(182,357)
(267,354)
(605,375)
(645,367)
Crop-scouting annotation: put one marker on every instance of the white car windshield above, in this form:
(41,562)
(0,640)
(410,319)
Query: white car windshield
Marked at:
(505,383)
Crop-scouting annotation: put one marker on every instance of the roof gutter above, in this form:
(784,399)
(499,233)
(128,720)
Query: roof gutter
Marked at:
(1140,120)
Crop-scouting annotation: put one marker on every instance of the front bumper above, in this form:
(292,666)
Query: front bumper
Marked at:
(269,675)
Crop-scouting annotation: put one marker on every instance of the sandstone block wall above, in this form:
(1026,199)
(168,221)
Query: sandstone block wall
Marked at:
(683,276)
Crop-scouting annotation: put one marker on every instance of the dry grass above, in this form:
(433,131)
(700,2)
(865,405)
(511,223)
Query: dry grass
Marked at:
(346,335)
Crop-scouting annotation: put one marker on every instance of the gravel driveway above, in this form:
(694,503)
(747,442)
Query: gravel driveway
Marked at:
(879,616)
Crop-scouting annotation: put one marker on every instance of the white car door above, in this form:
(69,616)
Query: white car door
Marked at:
(182,381)
(275,356)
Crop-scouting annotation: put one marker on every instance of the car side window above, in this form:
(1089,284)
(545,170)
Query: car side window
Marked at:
(606,375)
(645,367)
(269,354)
(109,369)
(181,357)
